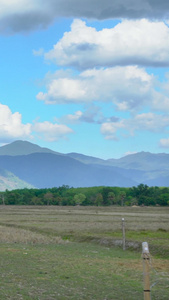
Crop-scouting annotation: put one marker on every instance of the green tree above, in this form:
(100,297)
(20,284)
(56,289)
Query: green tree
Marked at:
(36,201)
(122,196)
(79,199)
(111,198)
(105,193)
(48,198)
(99,199)
(131,201)
(163,199)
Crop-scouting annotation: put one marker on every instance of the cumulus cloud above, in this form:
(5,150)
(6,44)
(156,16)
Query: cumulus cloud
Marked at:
(51,132)
(126,87)
(164,143)
(63,88)
(72,118)
(109,129)
(140,42)
(150,121)
(141,122)
(92,114)
(11,126)
(26,15)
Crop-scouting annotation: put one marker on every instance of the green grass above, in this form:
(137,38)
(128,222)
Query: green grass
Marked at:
(70,271)
(71,253)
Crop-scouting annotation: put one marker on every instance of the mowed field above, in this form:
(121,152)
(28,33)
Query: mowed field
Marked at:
(76,253)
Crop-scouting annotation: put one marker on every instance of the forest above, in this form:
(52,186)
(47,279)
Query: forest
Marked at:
(142,195)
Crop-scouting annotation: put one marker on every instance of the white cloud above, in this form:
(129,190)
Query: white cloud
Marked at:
(51,132)
(92,114)
(164,143)
(151,122)
(129,153)
(140,42)
(160,102)
(25,15)
(109,130)
(63,88)
(72,118)
(39,52)
(127,87)
(11,126)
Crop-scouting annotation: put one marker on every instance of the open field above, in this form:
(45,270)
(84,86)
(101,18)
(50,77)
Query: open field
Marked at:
(76,252)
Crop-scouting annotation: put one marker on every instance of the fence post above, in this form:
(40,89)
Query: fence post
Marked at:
(146,270)
(123,231)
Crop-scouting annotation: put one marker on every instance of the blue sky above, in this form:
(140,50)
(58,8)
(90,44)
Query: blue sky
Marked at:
(85,76)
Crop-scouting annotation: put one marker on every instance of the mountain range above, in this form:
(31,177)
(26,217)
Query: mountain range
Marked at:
(24,164)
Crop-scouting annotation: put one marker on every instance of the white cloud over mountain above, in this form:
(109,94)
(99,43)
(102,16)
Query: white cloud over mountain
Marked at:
(51,132)
(11,126)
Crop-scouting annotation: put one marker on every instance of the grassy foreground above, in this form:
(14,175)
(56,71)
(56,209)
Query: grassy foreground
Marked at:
(76,253)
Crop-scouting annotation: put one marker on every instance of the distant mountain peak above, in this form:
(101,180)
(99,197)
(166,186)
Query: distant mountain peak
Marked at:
(20,147)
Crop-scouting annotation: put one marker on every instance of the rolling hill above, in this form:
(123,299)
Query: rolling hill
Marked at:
(44,168)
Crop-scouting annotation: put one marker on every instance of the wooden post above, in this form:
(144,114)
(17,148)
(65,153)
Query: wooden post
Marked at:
(146,270)
(123,231)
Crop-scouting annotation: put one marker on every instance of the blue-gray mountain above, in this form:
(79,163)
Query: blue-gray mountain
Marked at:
(44,168)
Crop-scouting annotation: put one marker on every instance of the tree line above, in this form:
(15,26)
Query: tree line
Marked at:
(96,196)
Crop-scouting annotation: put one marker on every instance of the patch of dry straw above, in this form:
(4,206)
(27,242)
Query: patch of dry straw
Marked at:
(17,235)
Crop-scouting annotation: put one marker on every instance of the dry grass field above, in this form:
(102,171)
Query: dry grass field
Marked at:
(76,252)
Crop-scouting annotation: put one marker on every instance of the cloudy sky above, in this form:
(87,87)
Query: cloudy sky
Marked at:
(85,76)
